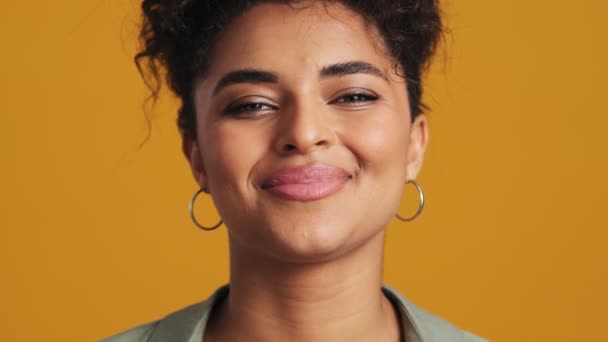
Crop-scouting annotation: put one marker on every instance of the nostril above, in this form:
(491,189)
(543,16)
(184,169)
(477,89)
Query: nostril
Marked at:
(289,147)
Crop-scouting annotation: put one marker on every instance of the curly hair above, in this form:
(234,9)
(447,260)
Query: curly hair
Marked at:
(177,36)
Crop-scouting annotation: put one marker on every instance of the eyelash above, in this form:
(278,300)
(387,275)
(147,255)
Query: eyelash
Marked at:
(364,97)
(358,98)
(246,108)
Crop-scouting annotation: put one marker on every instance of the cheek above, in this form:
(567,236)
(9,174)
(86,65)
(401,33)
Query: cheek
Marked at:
(380,139)
(230,153)
(380,146)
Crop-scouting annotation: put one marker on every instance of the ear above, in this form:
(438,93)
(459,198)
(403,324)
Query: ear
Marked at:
(419,137)
(195,159)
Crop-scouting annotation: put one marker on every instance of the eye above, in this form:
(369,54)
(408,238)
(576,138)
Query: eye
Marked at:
(248,109)
(356,98)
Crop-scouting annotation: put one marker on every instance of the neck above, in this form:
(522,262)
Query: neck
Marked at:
(336,300)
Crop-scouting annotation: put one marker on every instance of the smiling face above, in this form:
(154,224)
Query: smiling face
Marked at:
(305,140)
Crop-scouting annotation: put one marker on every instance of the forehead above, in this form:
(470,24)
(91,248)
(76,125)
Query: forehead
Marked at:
(296,39)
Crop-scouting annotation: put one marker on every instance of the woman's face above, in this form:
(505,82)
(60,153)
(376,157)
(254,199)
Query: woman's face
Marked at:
(304,134)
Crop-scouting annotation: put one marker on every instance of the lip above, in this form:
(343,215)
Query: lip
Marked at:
(306,183)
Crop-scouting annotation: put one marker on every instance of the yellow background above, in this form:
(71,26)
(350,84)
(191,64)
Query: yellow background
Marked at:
(95,235)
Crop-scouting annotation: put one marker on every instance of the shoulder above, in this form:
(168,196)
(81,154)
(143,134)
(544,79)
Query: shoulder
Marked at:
(138,334)
(473,338)
(182,325)
(177,326)
(430,326)
(435,328)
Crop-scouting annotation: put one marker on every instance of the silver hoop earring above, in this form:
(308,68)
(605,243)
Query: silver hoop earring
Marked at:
(420,206)
(191,207)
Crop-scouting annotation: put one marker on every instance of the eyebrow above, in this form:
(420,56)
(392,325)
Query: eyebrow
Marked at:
(245,76)
(260,76)
(351,68)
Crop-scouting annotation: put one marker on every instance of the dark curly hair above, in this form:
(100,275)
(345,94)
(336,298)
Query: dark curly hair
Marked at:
(177,36)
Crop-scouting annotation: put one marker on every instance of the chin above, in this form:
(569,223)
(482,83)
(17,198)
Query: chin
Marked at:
(302,240)
(312,247)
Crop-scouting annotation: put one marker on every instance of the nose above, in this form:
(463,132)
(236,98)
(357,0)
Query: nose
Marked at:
(304,129)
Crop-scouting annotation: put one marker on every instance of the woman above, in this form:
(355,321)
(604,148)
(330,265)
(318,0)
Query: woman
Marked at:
(302,120)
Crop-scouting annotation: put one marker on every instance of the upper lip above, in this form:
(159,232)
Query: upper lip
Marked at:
(305,174)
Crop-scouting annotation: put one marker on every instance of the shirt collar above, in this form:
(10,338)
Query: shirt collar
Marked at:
(188,325)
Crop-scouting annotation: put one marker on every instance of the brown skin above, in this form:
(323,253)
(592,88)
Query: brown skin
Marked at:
(304,271)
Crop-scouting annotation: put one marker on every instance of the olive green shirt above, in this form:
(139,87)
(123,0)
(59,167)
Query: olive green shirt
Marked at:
(188,324)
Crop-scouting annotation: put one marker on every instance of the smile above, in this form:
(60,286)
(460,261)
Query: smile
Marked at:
(306,183)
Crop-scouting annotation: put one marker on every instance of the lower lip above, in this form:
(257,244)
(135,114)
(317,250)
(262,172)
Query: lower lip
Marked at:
(308,191)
